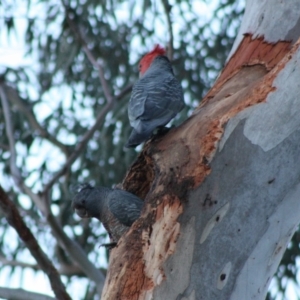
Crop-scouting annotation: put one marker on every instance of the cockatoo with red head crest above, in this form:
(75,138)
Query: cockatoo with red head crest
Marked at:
(156,97)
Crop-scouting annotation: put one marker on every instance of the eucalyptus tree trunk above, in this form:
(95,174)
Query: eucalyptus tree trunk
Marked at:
(222,191)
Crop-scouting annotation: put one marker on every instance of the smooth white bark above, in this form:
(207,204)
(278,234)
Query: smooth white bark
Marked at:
(274,20)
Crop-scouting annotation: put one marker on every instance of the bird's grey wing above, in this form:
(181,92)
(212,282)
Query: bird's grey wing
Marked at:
(125,206)
(164,100)
(154,103)
(136,106)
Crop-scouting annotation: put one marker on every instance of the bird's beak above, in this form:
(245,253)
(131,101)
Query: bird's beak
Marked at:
(81,212)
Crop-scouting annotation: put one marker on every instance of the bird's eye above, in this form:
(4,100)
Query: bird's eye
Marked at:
(140,66)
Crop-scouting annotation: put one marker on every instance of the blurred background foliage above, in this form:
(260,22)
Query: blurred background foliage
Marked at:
(55,96)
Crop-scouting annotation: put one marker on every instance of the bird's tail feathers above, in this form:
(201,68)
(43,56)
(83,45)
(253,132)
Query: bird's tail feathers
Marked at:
(136,138)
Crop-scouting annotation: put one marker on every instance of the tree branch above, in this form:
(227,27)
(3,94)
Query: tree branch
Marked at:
(76,253)
(79,147)
(167,8)
(101,116)
(15,263)
(13,217)
(4,147)
(126,90)
(10,136)
(64,269)
(40,200)
(15,98)
(15,171)
(20,294)
(90,56)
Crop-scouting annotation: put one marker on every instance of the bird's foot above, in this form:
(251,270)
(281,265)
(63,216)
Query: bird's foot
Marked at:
(162,130)
(109,246)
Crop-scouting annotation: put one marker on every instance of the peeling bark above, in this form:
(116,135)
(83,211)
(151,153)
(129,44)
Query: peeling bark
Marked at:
(218,187)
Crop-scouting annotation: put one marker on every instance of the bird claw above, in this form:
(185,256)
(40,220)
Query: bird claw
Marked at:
(109,246)
(159,132)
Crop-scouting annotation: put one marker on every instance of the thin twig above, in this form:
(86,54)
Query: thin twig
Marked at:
(13,217)
(10,136)
(168,8)
(63,269)
(20,294)
(15,263)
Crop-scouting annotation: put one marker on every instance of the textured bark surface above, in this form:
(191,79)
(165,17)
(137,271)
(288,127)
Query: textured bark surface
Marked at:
(219,187)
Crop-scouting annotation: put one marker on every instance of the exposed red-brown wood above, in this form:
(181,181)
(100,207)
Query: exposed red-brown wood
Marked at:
(250,52)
